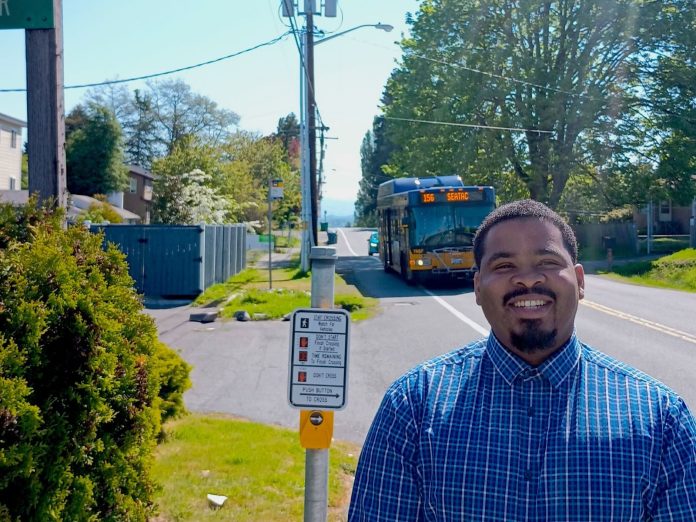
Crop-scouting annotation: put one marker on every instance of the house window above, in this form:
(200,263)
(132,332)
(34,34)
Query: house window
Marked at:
(133,185)
(13,184)
(665,210)
(13,141)
(147,191)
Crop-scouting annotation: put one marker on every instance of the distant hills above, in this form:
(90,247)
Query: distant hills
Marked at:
(339,213)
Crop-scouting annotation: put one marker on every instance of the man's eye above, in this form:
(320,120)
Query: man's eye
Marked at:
(549,262)
(502,266)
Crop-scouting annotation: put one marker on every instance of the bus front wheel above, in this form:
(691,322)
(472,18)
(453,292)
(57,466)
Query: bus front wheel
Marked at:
(407,273)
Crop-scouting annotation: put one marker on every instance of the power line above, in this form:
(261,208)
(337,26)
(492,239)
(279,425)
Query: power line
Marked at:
(172,71)
(294,32)
(469,125)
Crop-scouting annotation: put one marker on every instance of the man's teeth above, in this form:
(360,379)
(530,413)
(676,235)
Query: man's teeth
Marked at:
(529,304)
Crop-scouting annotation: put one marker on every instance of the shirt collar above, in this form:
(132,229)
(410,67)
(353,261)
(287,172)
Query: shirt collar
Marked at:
(555,369)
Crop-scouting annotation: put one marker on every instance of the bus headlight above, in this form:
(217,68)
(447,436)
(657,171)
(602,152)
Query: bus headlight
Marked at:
(423,262)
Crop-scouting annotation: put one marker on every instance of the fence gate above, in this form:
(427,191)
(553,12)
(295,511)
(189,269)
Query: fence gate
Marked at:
(175,261)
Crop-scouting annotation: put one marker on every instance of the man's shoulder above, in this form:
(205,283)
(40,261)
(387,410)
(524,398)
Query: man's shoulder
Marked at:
(453,360)
(460,356)
(600,361)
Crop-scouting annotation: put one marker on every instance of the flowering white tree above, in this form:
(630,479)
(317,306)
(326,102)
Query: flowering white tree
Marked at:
(188,199)
(203,202)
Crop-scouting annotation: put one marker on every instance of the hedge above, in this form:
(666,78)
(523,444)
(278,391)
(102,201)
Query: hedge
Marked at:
(84,382)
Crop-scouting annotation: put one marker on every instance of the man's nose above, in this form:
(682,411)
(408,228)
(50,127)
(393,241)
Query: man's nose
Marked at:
(528,277)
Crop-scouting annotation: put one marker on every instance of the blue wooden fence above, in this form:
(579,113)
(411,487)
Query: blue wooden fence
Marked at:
(178,261)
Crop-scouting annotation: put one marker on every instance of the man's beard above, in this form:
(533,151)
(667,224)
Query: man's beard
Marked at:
(533,338)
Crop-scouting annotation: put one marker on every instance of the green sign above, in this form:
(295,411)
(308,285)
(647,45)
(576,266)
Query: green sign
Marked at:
(26,14)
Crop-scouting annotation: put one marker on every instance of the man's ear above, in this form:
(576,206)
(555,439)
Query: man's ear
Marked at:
(580,276)
(477,282)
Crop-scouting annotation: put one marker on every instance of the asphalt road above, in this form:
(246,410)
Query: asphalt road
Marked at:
(242,368)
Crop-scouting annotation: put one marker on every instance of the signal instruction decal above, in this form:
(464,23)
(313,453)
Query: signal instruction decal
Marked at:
(318,358)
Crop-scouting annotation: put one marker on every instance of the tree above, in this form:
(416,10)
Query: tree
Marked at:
(180,113)
(190,167)
(76,119)
(113,96)
(154,120)
(202,202)
(375,154)
(288,133)
(564,72)
(673,100)
(251,161)
(140,129)
(94,157)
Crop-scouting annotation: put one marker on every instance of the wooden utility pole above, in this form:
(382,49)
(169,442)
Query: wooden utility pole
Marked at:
(46,110)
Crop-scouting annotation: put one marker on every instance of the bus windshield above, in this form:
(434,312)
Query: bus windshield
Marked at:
(446,225)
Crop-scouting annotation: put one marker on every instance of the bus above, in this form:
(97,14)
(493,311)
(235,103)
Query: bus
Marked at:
(427,226)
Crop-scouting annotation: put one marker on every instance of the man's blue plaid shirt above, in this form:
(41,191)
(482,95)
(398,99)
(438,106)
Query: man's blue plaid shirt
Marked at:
(477,434)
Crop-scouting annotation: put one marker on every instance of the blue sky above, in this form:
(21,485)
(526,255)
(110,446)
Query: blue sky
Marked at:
(110,39)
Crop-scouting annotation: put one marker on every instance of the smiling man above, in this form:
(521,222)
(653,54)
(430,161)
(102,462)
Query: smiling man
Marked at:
(529,424)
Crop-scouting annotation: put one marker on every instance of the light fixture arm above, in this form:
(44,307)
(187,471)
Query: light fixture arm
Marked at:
(380,26)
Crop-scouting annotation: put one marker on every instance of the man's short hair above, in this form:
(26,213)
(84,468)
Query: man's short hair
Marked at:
(524,208)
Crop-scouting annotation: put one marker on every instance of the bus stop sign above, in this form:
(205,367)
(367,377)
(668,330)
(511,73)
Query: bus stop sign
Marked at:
(26,14)
(318,359)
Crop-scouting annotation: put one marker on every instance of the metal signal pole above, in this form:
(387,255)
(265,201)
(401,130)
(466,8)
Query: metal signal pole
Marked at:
(312,128)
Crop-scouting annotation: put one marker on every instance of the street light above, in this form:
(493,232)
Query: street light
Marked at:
(308,135)
(382,27)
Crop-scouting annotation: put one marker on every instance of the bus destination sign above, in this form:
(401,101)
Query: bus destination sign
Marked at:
(451,196)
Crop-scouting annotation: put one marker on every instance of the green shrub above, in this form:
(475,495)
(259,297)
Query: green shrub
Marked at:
(80,372)
(173,375)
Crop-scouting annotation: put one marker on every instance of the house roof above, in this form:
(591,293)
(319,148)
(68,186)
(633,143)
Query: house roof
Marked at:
(12,121)
(137,169)
(80,202)
(16,197)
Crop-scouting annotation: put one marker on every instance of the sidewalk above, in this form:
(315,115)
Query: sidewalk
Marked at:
(278,259)
(282,259)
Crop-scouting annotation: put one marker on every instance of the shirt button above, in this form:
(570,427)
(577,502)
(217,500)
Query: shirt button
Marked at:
(527,475)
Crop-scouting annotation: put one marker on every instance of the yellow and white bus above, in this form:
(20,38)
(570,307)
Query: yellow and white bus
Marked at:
(427,226)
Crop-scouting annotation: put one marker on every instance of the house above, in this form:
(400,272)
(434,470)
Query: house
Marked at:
(668,218)
(11,152)
(137,198)
(80,203)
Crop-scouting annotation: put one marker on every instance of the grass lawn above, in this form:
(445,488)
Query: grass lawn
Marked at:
(249,290)
(259,468)
(676,271)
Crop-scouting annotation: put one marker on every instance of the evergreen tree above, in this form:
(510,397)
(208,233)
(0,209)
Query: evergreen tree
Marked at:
(375,154)
(140,129)
(94,157)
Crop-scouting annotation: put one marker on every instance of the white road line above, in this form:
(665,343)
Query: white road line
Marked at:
(480,329)
(345,240)
(643,322)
